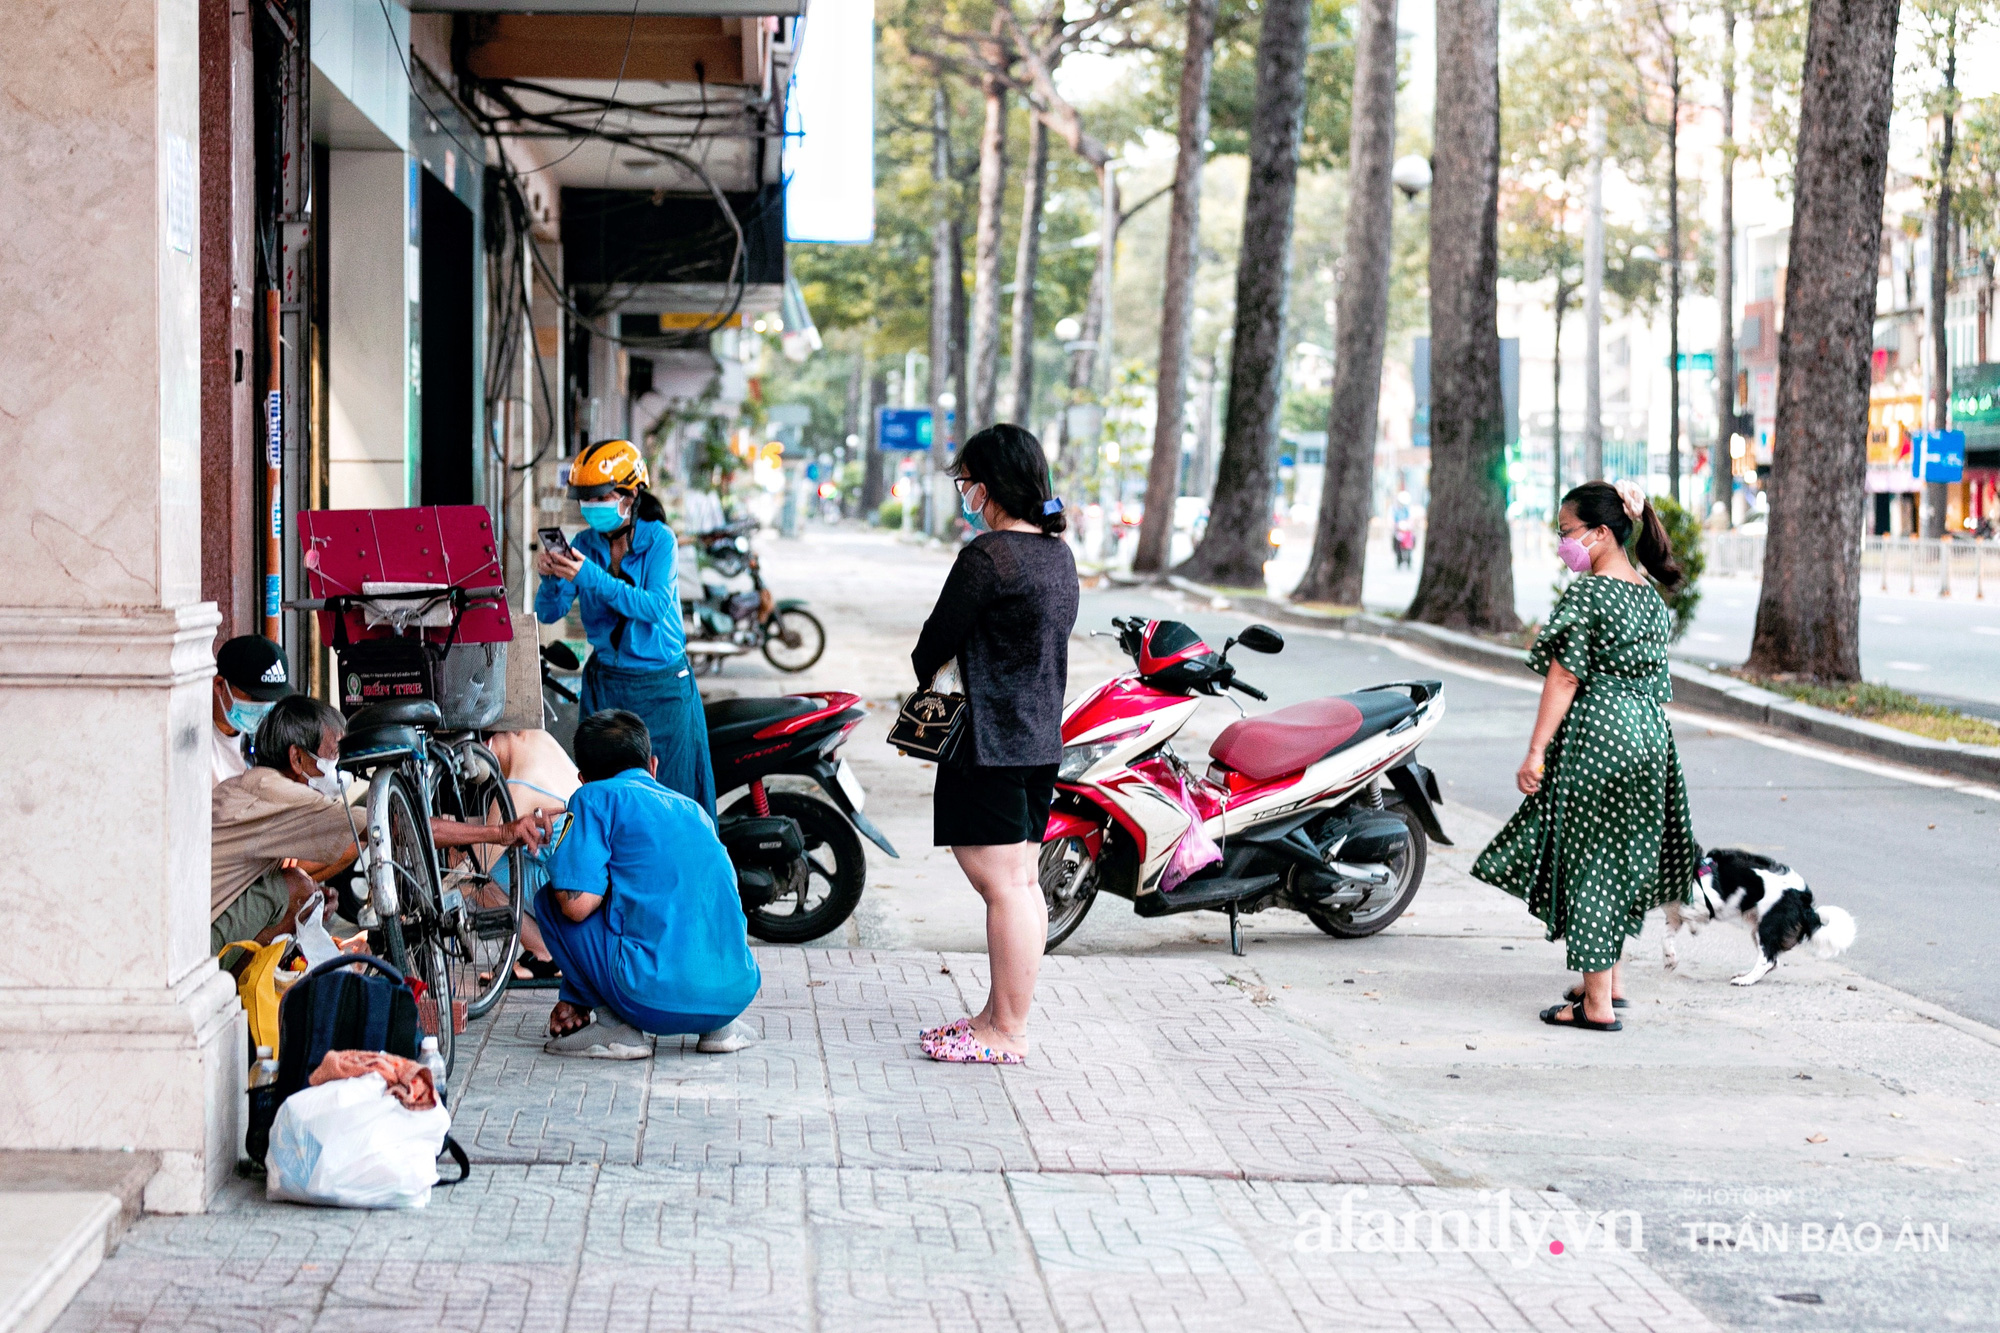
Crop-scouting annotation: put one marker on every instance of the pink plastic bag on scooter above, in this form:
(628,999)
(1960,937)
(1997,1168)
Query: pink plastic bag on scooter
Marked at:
(1195,851)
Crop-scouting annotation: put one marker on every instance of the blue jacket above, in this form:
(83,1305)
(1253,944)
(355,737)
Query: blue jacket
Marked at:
(649,605)
(669,895)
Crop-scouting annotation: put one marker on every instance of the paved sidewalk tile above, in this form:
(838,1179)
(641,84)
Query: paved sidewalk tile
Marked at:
(1152,1167)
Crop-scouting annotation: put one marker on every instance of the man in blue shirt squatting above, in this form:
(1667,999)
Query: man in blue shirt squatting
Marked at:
(641,909)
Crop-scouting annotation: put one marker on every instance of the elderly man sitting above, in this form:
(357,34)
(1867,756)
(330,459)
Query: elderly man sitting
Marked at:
(290,808)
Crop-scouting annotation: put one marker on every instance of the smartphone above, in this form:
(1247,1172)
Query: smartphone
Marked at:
(553,540)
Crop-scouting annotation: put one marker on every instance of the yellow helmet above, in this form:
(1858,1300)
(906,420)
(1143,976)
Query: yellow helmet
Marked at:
(604,467)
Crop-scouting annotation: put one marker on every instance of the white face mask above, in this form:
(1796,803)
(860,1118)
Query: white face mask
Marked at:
(328,782)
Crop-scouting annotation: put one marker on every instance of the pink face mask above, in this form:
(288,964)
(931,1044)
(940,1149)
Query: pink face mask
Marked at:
(1574,554)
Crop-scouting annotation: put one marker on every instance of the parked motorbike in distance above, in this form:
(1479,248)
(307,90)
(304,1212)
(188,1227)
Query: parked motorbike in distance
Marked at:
(790,637)
(1290,812)
(800,868)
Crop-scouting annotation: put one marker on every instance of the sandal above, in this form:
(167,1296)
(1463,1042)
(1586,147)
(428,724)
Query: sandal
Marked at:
(538,969)
(1576,997)
(961,1049)
(930,1037)
(1577,1020)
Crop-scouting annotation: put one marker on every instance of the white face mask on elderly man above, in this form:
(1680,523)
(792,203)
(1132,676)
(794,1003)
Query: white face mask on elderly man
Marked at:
(327,781)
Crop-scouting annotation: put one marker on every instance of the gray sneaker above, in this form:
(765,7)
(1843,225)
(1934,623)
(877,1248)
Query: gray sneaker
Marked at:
(730,1037)
(600,1039)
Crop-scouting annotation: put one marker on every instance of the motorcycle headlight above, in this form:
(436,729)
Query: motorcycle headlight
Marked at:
(1080,759)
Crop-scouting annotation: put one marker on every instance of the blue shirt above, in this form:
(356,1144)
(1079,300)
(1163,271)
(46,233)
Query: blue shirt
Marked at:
(650,604)
(669,894)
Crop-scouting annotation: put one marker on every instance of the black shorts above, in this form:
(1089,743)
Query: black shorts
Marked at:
(979,805)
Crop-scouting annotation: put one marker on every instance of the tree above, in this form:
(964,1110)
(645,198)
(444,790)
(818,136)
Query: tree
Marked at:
(985,330)
(1721,465)
(1340,539)
(1468,577)
(1183,229)
(1658,56)
(1537,244)
(1941,27)
(1020,401)
(1233,549)
(1809,608)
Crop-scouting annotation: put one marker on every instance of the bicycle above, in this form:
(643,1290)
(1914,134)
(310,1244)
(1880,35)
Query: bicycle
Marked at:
(448,917)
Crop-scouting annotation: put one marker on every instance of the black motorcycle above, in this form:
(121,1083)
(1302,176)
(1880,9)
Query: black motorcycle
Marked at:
(799,866)
(790,637)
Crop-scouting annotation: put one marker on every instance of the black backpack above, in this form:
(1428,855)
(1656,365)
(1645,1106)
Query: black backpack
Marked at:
(333,1009)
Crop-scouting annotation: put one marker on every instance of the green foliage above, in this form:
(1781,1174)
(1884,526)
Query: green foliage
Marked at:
(890,515)
(1232,97)
(1305,409)
(1684,536)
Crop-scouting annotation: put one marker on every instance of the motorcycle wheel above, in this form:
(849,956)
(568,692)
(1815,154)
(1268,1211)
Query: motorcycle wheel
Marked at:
(1387,904)
(818,893)
(793,639)
(1067,908)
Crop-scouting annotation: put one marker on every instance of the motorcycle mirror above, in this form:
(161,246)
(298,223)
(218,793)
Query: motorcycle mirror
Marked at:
(560,656)
(1262,639)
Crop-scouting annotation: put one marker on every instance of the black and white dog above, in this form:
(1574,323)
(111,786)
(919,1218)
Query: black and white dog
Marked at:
(1769,899)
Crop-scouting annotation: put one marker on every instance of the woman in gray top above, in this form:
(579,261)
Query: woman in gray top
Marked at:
(1005,614)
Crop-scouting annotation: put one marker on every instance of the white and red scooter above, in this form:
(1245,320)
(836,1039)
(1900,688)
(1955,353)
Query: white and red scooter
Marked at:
(1291,811)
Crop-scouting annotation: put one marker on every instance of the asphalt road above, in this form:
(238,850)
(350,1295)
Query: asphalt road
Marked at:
(1946,649)
(1915,863)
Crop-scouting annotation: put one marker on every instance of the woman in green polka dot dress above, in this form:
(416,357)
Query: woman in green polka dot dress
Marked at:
(1603,836)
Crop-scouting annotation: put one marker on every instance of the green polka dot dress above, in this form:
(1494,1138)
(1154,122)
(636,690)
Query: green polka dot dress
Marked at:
(1606,839)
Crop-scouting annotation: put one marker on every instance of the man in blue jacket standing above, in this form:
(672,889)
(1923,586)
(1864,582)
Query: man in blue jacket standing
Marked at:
(641,909)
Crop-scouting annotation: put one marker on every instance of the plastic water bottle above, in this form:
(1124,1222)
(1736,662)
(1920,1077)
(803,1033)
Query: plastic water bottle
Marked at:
(265,1071)
(433,1060)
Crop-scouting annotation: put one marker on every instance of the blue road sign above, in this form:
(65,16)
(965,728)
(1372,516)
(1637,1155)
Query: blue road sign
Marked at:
(1939,456)
(906,428)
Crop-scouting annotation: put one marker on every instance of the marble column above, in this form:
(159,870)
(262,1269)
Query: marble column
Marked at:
(116,1028)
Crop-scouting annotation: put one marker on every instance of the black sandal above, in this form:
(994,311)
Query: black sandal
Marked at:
(1576,997)
(1577,1020)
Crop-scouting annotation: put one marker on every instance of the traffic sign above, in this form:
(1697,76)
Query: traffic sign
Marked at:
(1938,455)
(904,428)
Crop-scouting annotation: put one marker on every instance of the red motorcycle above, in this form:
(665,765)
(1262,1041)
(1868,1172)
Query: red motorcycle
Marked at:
(1291,811)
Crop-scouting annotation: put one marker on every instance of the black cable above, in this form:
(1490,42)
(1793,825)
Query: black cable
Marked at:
(631,31)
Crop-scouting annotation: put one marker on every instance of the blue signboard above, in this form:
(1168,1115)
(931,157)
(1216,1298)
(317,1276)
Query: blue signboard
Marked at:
(905,428)
(1939,455)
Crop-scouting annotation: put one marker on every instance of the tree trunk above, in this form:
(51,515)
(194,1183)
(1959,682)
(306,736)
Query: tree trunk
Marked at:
(1020,404)
(1674,275)
(1340,544)
(1156,531)
(958,325)
(945,276)
(1809,609)
(1561,306)
(854,426)
(1468,575)
(1593,305)
(1233,550)
(1722,467)
(986,260)
(1941,261)
(1082,371)
(874,477)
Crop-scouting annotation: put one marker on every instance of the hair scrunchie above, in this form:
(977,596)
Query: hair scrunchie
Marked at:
(1054,506)
(1633,496)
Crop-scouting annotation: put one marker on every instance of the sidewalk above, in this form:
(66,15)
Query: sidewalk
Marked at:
(1188,1146)
(1150,1169)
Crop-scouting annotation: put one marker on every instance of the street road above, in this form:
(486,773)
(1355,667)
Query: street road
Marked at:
(1914,862)
(1942,648)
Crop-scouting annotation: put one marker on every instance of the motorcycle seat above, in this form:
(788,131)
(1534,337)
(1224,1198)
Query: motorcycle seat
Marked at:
(735,721)
(1288,739)
(397,713)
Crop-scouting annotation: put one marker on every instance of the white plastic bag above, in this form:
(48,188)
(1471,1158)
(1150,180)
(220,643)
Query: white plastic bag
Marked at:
(349,1144)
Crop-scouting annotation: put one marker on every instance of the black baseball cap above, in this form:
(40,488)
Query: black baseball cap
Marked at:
(255,666)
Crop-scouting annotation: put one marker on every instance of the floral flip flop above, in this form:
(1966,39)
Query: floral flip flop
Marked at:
(960,1049)
(932,1036)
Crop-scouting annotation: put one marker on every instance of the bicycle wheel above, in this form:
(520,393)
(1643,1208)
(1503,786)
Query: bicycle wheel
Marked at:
(414,936)
(482,886)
